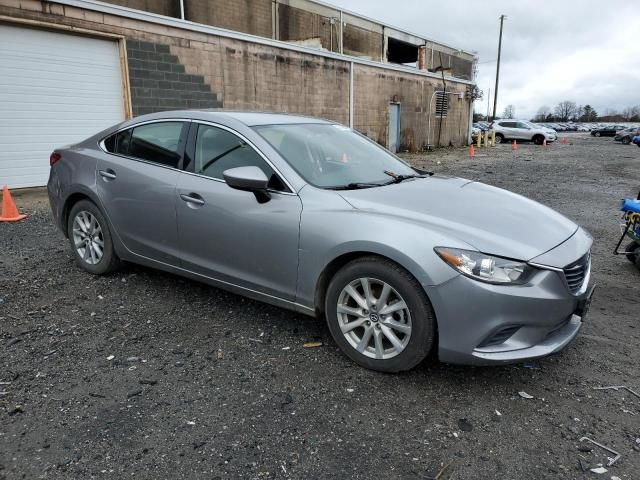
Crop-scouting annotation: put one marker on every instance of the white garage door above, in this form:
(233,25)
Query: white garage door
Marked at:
(55,89)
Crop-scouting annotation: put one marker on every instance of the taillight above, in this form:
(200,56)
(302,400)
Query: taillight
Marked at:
(53,158)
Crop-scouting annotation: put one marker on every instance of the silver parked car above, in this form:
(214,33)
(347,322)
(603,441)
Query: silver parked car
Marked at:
(312,216)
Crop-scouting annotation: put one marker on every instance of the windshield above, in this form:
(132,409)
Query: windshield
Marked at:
(330,156)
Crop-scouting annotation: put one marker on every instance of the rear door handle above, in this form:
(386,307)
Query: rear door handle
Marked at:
(108,174)
(193,198)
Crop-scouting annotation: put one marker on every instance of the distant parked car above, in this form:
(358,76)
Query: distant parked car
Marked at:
(522,130)
(606,131)
(483,127)
(625,136)
(583,128)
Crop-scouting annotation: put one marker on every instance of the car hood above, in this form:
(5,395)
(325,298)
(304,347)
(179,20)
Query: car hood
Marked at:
(490,219)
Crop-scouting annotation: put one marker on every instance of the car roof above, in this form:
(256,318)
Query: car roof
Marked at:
(250,119)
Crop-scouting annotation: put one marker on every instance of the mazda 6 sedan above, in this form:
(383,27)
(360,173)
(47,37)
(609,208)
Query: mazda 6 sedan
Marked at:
(309,215)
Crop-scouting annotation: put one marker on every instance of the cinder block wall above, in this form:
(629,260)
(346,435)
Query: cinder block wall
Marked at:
(172,68)
(375,89)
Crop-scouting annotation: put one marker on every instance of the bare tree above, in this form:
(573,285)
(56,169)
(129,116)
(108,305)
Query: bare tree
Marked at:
(566,110)
(631,114)
(543,113)
(509,111)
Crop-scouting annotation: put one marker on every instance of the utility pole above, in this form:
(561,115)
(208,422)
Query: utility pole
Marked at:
(489,105)
(495,93)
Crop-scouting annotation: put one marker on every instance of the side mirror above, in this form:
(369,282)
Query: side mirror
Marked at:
(249,179)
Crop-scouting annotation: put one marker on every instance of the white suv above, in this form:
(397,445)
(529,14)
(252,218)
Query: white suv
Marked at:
(522,130)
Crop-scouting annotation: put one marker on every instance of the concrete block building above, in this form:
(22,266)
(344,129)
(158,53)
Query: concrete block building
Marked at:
(70,68)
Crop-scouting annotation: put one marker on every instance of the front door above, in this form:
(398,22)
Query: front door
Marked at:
(227,234)
(394,127)
(136,183)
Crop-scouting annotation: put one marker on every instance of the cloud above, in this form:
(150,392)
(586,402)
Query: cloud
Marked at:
(552,51)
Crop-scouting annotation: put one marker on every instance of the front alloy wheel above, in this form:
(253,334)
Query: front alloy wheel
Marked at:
(379,315)
(374,318)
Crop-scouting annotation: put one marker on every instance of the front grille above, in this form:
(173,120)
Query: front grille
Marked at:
(576,273)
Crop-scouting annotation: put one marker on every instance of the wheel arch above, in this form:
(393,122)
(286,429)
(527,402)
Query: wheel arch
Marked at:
(77,195)
(337,263)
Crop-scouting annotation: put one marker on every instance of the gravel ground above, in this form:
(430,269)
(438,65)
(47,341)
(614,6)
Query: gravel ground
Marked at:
(144,374)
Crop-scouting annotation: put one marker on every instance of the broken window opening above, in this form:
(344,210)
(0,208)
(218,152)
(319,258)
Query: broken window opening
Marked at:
(402,53)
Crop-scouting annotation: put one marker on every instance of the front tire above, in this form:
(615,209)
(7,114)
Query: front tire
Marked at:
(538,139)
(379,315)
(90,239)
(597,134)
(626,140)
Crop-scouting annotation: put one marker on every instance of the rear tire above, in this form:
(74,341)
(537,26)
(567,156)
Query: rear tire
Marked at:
(597,134)
(626,140)
(90,239)
(499,138)
(391,319)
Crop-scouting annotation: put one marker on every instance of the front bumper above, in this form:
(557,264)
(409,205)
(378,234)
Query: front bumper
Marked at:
(486,324)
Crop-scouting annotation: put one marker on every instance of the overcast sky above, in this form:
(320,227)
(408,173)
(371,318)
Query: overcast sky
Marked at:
(585,51)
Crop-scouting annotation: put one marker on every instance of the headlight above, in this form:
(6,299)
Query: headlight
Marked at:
(486,268)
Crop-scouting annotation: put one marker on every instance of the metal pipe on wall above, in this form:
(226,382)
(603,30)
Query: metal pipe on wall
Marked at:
(351,96)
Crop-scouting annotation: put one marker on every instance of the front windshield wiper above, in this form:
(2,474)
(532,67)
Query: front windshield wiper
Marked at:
(355,186)
(401,178)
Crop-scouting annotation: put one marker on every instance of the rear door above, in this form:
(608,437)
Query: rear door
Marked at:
(522,131)
(507,129)
(136,182)
(228,234)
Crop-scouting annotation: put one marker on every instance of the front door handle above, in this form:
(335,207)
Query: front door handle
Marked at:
(108,174)
(192,198)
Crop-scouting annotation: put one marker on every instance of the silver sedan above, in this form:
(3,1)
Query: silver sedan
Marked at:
(310,215)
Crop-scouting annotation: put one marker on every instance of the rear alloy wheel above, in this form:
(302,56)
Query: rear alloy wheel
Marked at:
(626,140)
(597,134)
(90,239)
(379,315)
(499,138)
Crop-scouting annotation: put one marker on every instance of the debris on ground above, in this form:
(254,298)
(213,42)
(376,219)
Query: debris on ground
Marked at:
(599,470)
(525,395)
(612,460)
(312,344)
(619,387)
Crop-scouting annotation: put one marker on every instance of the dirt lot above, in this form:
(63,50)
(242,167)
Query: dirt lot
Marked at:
(143,374)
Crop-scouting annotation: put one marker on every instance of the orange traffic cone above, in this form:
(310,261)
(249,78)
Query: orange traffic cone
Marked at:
(472,151)
(514,146)
(9,211)
(564,141)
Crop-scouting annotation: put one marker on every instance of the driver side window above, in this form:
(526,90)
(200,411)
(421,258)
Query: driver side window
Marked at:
(218,150)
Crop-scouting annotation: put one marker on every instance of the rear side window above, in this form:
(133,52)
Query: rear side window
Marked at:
(154,142)
(157,143)
(119,142)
